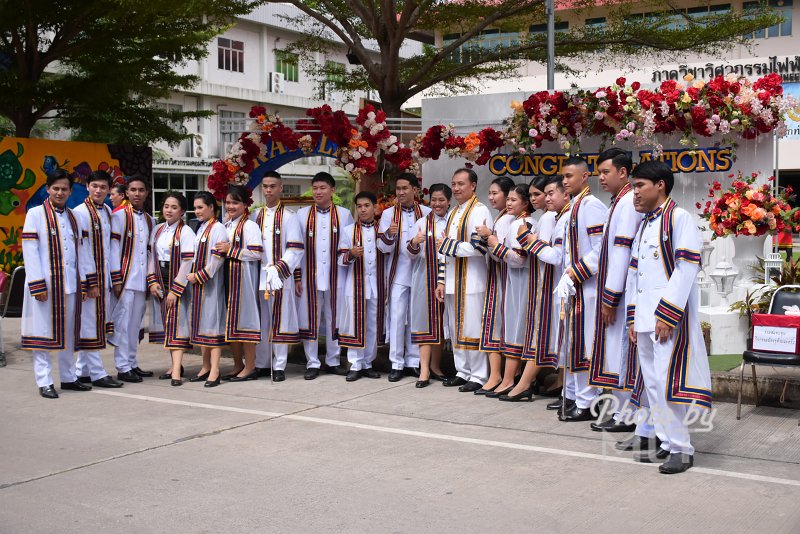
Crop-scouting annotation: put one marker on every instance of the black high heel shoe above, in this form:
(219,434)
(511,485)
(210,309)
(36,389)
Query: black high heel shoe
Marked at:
(245,378)
(496,394)
(176,382)
(200,378)
(422,383)
(212,383)
(486,392)
(440,378)
(526,395)
(168,375)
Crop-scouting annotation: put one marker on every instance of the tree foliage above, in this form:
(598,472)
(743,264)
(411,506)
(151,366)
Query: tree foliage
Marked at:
(100,66)
(381,27)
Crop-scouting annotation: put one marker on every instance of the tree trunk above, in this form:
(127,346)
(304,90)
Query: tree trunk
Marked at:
(23,123)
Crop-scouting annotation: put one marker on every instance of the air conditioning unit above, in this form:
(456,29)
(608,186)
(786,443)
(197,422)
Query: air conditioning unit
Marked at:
(276,82)
(199,146)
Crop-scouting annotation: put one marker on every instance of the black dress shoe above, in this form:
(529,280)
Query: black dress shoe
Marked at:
(352,375)
(175,382)
(526,395)
(262,372)
(200,378)
(650,456)
(370,373)
(129,376)
(496,394)
(637,443)
(75,386)
(470,387)
(278,376)
(336,370)
(48,392)
(165,376)
(85,379)
(147,374)
(245,378)
(411,371)
(556,405)
(676,463)
(422,383)
(395,375)
(212,383)
(484,391)
(229,376)
(107,382)
(578,414)
(453,382)
(311,373)
(612,425)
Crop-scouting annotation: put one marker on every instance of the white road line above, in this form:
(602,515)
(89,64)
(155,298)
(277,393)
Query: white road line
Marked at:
(449,437)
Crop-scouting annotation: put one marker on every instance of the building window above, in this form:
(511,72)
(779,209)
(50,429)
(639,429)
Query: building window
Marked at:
(230,55)
(598,23)
(231,126)
(291,190)
(172,108)
(489,39)
(782,8)
(287,64)
(335,71)
(188,184)
(541,29)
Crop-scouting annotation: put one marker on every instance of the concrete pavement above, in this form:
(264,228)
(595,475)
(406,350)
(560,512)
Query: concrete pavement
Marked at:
(330,456)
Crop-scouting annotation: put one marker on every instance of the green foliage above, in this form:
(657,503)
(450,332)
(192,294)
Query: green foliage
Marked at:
(758,300)
(456,67)
(101,66)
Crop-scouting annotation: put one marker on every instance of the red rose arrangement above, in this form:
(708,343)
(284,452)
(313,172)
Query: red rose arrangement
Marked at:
(747,208)
(474,147)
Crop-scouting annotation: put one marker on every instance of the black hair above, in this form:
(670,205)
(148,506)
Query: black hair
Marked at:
(473,176)
(555,179)
(239,193)
(655,171)
(177,195)
(208,199)
(369,195)
(272,174)
(505,184)
(324,177)
(99,176)
(408,177)
(442,188)
(575,160)
(119,188)
(525,194)
(619,158)
(539,182)
(56,175)
(138,178)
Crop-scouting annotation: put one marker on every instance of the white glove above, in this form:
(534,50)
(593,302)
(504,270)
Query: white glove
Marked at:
(274,282)
(565,287)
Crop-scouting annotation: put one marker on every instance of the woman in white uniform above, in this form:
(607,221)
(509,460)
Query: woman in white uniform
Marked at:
(208,288)
(492,333)
(172,245)
(243,250)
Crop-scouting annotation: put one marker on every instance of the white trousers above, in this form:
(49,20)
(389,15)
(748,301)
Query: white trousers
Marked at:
(128,317)
(623,398)
(581,392)
(311,346)
(266,348)
(669,418)
(89,363)
(361,359)
(402,353)
(471,365)
(42,362)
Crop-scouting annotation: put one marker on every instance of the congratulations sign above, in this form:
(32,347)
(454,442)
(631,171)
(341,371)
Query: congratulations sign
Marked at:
(710,159)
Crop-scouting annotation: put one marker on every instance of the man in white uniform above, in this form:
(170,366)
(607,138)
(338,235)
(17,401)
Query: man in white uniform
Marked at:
(318,280)
(283,250)
(54,283)
(610,362)
(94,219)
(130,246)
(666,327)
(461,283)
(582,241)
(397,229)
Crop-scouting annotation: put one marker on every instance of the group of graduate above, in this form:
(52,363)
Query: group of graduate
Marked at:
(555,279)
